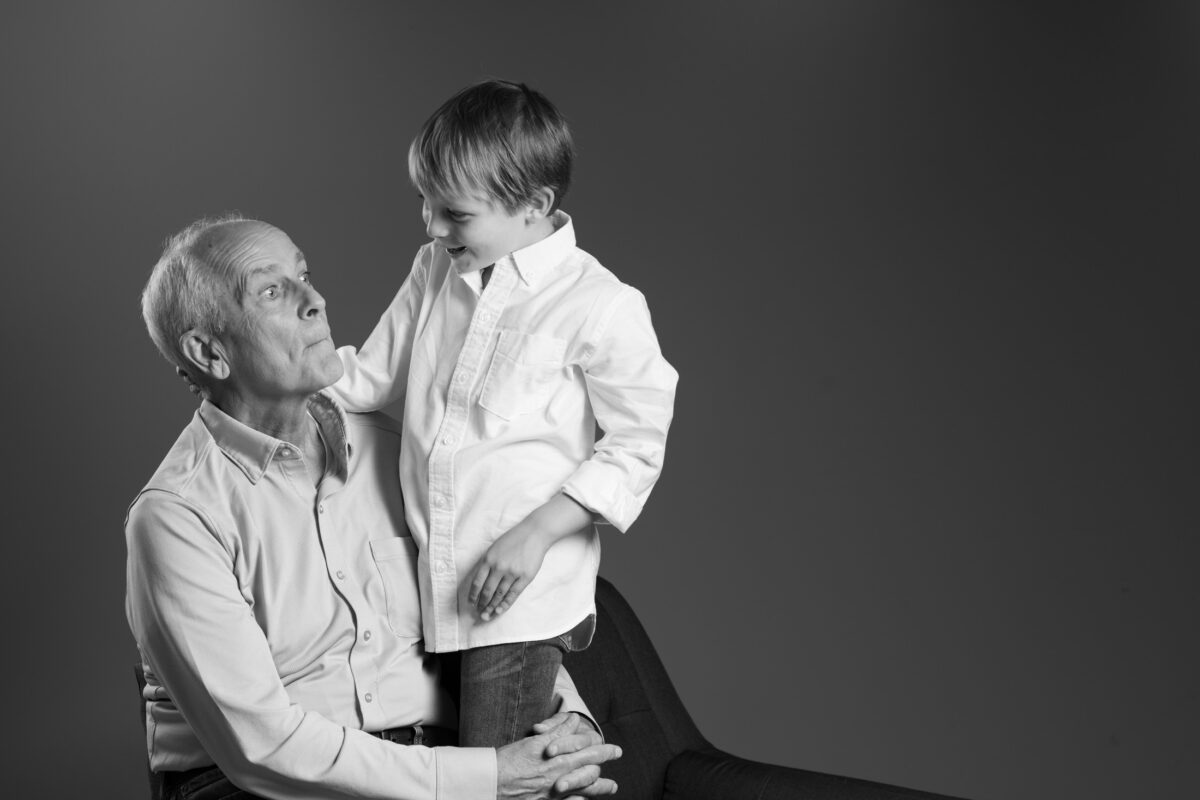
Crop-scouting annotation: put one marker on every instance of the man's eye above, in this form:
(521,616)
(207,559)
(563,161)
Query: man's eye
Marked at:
(307,278)
(271,292)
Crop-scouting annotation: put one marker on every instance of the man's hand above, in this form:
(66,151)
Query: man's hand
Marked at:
(562,761)
(513,560)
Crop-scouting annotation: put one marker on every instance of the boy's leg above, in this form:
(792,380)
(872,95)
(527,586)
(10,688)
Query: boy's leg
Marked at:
(506,689)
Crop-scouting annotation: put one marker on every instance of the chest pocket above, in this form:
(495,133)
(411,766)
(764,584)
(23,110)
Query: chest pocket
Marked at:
(525,369)
(396,560)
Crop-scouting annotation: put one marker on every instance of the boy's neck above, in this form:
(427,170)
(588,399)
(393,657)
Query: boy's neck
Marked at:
(543,228)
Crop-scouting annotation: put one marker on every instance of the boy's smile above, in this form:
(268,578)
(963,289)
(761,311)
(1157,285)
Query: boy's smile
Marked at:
(477,231)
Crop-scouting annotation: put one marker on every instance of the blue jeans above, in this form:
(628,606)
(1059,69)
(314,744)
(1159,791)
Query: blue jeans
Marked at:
(506,688)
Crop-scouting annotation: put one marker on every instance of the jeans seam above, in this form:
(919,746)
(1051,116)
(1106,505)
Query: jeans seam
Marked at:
(513,733)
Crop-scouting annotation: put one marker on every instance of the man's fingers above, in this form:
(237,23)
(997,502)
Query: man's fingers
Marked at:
(593,755)
(551,722)
(599,788)
(488,591)
(577,779)
(572,742)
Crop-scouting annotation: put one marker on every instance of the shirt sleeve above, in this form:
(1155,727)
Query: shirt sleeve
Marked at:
(199,636)
(570,700)
(377,375)
(632,391)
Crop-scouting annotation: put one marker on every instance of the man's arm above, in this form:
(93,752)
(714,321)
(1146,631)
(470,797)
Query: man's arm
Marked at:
(377,375)
(200,638)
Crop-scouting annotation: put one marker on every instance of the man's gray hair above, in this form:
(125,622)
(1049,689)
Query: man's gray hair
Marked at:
(185,288)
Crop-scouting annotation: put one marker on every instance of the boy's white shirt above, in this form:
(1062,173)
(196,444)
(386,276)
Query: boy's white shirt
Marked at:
(503,388)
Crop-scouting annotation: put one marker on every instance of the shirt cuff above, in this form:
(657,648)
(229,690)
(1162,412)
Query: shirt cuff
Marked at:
(593,487)
(469,773)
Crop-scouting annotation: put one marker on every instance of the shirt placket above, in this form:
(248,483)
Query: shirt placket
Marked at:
(453,428)
(345,583)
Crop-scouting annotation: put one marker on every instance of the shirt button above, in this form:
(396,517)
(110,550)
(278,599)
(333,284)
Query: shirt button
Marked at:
(443,566)
(441,501)
(368,697)
(367,636)
(341,576)
(446,440)
(460,377)
(321,508)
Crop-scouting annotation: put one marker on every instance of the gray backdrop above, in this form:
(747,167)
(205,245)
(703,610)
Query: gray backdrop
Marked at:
(929,508)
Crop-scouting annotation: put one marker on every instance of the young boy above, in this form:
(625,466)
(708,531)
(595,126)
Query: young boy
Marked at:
(509,345)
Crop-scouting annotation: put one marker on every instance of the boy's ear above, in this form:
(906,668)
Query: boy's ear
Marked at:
(205,354)
(541,205)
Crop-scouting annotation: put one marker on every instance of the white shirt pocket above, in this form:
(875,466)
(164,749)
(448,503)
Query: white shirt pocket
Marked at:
(396,560)
(524,370)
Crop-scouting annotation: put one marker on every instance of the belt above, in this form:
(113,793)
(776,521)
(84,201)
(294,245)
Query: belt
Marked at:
(428,735)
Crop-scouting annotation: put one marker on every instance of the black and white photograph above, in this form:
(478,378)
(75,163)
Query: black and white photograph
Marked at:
(696,401)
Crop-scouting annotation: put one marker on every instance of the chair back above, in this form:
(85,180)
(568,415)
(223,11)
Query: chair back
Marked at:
(626,686)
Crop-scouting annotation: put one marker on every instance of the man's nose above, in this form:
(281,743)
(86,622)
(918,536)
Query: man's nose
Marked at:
(312,303)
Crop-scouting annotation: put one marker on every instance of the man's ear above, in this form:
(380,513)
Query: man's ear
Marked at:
(205,354)
(540,206)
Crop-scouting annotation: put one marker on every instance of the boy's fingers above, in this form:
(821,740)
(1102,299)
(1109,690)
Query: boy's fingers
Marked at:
(477,584)
(514,591)
(489,589)
(502,589)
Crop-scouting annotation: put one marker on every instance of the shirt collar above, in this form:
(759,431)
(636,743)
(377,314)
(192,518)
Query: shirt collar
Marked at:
(253,451)
(539,258)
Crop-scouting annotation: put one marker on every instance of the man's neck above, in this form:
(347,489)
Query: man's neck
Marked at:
(287,420)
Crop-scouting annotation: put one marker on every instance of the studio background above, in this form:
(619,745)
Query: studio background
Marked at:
(929,508)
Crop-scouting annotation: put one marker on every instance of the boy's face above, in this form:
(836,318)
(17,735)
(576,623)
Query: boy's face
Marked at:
(477,231)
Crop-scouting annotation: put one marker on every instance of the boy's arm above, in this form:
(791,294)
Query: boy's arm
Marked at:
(632,391)
(377,375)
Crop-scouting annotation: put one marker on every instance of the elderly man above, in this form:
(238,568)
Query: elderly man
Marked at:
(271,582)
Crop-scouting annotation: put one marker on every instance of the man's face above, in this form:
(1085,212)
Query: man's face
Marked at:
(276,334)
(476,231)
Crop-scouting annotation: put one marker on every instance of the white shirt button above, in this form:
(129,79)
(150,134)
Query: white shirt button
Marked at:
(460,377)
(441,501)
(321,508)
(367,636)
(446,440)
(368,697)
(341,576)
(443,566)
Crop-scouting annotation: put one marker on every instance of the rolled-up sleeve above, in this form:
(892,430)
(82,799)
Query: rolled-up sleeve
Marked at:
(198,634)
(631,388)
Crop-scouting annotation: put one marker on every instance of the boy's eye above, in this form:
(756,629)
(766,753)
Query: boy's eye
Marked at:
(457,215)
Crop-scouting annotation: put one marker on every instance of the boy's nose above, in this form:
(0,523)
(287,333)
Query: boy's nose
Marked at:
(435,228)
